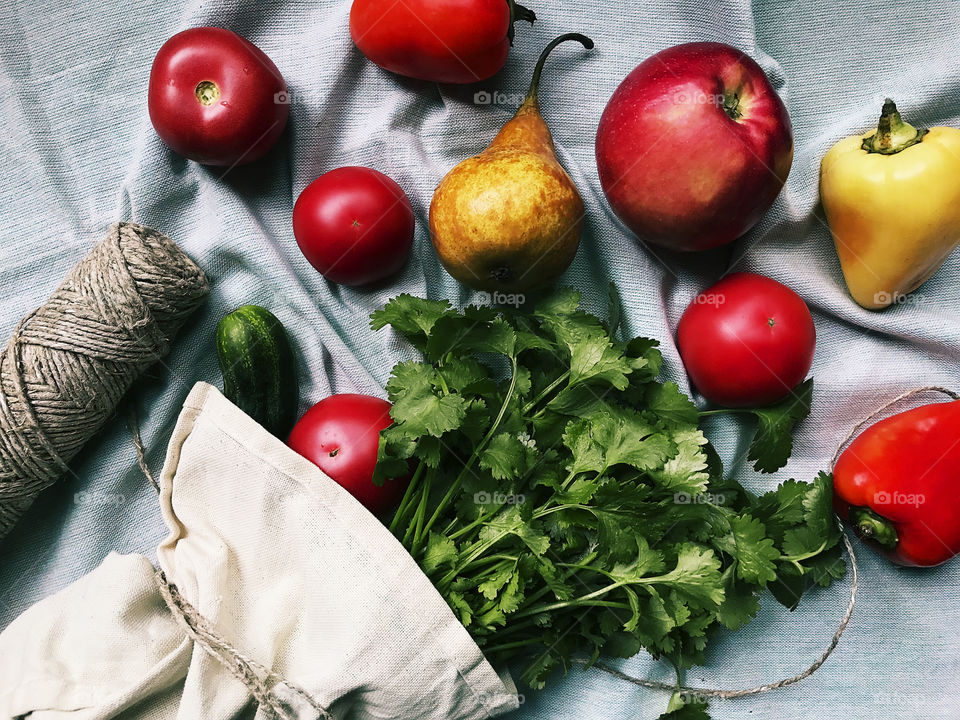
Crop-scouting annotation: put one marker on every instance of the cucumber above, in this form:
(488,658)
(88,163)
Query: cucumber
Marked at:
(259,368)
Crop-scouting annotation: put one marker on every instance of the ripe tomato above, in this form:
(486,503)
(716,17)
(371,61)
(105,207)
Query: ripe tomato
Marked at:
(215,98)
(340,435)
(449,41)
(746,341)
(355,225)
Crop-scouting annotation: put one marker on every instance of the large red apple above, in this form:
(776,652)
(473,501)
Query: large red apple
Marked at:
(694,146)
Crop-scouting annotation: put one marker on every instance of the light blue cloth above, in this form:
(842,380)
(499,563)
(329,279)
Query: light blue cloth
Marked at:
(79,153)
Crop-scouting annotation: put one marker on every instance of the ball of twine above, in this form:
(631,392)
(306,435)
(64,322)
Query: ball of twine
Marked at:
(68,363)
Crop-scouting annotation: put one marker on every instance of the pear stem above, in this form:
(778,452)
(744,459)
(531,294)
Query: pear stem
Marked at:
(531,98)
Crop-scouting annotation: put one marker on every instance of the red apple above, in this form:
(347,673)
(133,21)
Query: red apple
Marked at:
(694,146)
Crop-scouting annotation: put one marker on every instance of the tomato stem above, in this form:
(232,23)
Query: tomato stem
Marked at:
(207,92)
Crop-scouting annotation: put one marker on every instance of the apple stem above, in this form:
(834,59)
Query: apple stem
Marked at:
(893,134)
(531,99)
(731,106)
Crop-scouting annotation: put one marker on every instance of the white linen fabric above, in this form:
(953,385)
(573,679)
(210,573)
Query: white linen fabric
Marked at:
(285,566)
(79,154)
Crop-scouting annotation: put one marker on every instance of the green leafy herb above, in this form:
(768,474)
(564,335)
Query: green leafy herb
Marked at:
(686,710)
(773,441)
(566,503)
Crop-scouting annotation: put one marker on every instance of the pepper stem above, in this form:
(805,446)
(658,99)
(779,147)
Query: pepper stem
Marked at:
(870,526)
(531,98)
(518,12)
(893,134)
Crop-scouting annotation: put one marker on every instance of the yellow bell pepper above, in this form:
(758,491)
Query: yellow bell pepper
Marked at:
(892,200)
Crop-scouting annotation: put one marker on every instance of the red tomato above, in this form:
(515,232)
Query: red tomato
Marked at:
(215,98)
(355,225)
(340,435)
(747,341)
(449,41)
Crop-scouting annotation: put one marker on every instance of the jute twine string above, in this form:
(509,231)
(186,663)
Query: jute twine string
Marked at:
(259,680)
(845,620)
(68,363)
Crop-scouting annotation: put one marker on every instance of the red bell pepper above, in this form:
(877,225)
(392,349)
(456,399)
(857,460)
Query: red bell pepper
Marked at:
(448,41)
(898,485)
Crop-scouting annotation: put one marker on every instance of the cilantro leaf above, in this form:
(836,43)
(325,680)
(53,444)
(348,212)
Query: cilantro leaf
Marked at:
(782,508)
(696,576)
(645,561)
(754,552)
(687,470)
(818,509)
(604,441)
(671,405)
(545,507)
(772,442)
(512,522)
(740,603)
(464,334)
(562,302)
(826,567)
(411,316)
(441,551)
(503,456)
(687,710)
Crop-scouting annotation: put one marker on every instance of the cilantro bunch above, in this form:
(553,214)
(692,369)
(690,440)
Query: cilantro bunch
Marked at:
(567,504)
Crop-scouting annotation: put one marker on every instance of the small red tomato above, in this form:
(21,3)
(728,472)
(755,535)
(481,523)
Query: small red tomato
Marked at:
(448,41)
(215,97)
(747,341)
(355,225)
(341,435)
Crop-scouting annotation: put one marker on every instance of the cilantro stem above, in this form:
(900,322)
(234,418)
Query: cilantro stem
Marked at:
(724,411)
(572,570)
(795,559)
(546,391)
(547,511)
(407,499)
(443,383)
(467,528)
(413,529)
(455,485)
(499,647)
(501,557)
(582,601)
(474,552)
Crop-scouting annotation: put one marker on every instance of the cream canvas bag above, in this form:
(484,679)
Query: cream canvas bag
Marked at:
(307,596)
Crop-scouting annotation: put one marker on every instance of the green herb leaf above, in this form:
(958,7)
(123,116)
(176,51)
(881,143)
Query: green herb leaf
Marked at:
(688,710)
(410,316)
(567,503)
(753,550)
(772,442)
